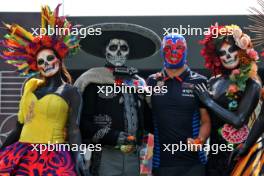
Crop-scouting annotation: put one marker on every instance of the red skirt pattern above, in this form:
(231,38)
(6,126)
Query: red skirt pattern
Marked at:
(22,159)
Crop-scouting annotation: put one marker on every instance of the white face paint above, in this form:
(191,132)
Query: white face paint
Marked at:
(116,52)
(228,56)
(48,63)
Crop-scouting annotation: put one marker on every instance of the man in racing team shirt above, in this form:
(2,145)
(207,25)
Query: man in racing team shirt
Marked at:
(178,116)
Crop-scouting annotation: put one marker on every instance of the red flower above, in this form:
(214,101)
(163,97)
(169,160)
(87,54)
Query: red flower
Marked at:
(46,41)
(252,54)
(232,88)
(32,63)
(33,48)
(208,65)
(118,82)
(136,82)
(212,61)
(61,49)
(217,62)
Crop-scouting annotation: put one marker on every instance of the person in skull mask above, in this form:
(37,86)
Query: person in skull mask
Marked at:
(48,104)
(233,93)
(115,119)
(179,118)
(248,157)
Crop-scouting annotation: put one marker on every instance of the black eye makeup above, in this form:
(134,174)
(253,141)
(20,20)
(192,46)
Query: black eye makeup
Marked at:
(124,48)
(40,61)
(50,57)
(113,47)
(222,53)
(232,49)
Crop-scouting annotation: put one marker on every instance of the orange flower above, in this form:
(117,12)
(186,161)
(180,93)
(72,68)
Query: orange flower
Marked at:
(131,138)
(197,141)
(232,88)
(244,59)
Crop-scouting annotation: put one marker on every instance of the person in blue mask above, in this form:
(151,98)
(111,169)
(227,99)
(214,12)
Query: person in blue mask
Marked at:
(181,122)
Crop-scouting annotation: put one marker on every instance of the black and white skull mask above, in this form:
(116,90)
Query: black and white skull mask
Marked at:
(116,52)
(47,62)
(228,56)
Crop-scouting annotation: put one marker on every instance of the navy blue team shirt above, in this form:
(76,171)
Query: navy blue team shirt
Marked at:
(176,117)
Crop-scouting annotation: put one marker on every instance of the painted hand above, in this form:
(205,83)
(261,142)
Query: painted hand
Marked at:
(202,92)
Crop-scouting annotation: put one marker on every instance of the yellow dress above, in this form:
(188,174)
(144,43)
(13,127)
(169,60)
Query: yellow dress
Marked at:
(44,119)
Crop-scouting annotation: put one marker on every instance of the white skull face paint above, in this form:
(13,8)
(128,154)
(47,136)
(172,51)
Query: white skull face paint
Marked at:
(48,63)
(228,56)
(116,52)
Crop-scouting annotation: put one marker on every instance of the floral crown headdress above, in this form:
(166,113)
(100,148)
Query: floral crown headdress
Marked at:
(220,33)
(246,54)
(21,46)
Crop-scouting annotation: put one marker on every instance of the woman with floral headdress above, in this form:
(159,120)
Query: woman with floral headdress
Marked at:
(233,92)
(48,103)
(250,155)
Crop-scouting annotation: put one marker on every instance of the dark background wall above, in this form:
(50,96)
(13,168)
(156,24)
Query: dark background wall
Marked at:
(83,61)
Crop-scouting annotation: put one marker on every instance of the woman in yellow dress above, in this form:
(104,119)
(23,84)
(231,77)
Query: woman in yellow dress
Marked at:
(49,103)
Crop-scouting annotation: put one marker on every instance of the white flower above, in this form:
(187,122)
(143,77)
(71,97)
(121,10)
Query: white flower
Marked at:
(237,33)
